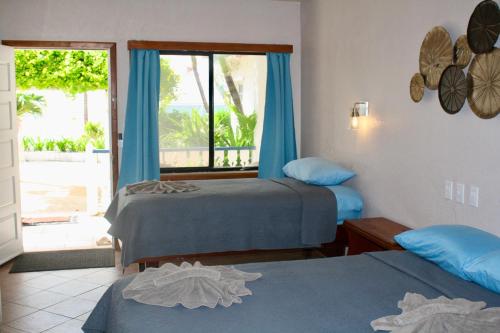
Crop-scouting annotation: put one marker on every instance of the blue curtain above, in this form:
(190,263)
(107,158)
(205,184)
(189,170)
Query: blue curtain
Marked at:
(278,145)
(140,153)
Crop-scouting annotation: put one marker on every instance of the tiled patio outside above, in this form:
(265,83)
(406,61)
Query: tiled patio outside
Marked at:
(61,189)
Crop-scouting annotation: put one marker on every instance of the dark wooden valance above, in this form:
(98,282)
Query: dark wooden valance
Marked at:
(209,47)
(37,44)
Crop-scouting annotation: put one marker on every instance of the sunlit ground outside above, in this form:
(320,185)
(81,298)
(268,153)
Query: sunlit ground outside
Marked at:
(55,206)
(64,190)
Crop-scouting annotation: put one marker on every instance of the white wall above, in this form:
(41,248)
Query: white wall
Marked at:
(241,21)
(368,50)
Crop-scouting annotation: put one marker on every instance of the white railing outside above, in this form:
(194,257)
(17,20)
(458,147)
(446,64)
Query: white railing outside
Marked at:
(224,157)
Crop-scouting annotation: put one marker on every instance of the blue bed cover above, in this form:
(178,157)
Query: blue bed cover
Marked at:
(341,294)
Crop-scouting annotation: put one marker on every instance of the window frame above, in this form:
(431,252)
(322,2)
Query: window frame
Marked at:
(211,140)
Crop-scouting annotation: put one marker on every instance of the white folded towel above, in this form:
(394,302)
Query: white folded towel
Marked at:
(441,314)
(190,285)
(159,187)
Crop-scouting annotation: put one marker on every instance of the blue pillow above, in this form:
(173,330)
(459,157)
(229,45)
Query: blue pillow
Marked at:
(485,271)
(450,246)
(349,202)
(317,171)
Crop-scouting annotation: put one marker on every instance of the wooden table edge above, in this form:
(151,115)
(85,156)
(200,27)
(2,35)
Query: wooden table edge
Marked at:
(353,226)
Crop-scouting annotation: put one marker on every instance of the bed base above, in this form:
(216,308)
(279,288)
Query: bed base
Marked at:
(332,249)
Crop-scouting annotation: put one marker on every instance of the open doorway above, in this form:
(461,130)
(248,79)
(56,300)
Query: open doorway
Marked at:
(66,97)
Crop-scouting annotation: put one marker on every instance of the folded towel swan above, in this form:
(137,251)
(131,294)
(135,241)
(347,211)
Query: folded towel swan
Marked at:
(422,315)
(159,187)
(190,285)
(192,272)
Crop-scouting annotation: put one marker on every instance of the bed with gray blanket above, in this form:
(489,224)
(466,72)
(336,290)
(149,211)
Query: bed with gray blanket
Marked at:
(223,215)
(334,295)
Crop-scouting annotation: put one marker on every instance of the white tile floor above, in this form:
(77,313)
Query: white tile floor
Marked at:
(52,302)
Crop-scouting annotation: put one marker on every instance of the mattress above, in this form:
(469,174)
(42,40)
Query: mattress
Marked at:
(341,294)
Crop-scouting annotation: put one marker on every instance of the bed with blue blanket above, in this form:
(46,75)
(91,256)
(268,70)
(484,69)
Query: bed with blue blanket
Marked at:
(340,294)
(228,215)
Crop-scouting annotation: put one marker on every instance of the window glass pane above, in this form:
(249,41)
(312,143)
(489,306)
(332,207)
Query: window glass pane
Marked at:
(239,97)
(183,115)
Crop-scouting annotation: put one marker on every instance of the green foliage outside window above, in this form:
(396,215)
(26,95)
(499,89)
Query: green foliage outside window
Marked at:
(29,103)
(183,130)
(168,83)
(94,134)
(73,72)
(180,129)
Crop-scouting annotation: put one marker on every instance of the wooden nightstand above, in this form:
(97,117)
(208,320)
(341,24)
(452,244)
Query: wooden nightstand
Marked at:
(372,234)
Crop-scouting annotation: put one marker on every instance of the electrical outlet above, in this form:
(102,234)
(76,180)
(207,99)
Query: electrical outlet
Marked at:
(474,196)
(460,193)
(448,190)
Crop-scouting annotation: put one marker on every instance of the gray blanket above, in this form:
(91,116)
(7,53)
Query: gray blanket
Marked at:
(223,215)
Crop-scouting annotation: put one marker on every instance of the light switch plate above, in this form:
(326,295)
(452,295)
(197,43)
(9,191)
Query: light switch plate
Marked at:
(448,190)
(460,193)
(474,196)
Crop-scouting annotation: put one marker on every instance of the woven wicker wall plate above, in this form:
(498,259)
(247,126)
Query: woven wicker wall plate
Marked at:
(462,54)
(452,89)
(484,27)
(483,82)
(436,53)
(417,87)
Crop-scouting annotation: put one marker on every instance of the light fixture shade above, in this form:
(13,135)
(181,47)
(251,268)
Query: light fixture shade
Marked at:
(354,118)
(354,122)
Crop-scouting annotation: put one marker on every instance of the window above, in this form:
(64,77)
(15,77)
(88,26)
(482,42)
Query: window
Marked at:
(211,110)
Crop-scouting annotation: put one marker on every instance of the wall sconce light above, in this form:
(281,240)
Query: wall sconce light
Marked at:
(360,109)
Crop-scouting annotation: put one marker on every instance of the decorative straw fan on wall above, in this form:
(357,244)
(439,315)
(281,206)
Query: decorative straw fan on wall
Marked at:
(417,87)
(481,86)
(462,54)
(484,27)
(452,89)
(484,84)
(436,53)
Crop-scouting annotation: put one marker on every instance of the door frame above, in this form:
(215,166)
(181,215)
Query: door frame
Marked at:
(78,45)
